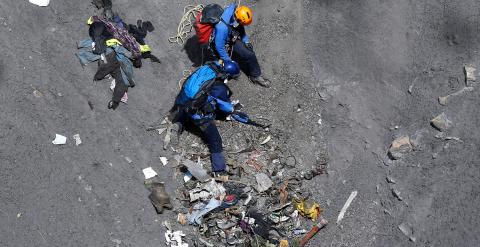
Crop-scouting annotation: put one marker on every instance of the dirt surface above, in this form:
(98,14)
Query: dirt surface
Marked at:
(341,73)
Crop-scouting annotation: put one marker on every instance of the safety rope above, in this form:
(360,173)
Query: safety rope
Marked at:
(186,23)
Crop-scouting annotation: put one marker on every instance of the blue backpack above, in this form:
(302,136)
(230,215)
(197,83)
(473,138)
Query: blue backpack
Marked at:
(195,89)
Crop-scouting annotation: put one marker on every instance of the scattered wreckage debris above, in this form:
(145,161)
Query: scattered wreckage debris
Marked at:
(346,206)
(158,196)
(59,140)
(77,139)
(470,77)
(41,3)
(259,203)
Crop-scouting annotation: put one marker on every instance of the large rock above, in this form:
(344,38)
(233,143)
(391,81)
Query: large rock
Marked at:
(441,122)
(400,147)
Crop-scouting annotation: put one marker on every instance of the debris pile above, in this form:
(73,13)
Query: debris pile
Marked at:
(260,203)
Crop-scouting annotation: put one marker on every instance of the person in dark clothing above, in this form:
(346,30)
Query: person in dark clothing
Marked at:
(113,67)
(99,34)
(212,99)
(230,32)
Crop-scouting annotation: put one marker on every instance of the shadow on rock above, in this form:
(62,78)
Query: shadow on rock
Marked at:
(197,53)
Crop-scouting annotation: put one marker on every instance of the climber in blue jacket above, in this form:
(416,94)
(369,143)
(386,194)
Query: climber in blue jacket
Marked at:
(230,31)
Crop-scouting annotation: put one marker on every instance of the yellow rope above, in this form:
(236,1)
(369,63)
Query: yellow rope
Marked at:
(186,23)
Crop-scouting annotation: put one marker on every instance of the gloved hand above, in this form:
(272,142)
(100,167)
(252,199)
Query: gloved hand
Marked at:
(237,107)
(249,46)
(240,117)
(112,105)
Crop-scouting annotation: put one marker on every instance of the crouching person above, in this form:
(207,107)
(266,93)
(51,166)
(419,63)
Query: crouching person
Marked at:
(203,96)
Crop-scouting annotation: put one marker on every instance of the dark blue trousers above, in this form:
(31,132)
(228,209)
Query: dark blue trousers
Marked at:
(214,142)
(246,58)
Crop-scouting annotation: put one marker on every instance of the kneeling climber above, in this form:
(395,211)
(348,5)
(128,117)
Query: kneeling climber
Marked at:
(230,32)
(204,95)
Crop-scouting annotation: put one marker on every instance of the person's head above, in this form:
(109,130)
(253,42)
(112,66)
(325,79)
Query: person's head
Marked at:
(243,15)
(231,68)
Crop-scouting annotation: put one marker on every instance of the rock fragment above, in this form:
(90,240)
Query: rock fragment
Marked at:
(263,182)
(390,180)
(441,122)
(407,231)
(400,147)
(444,99)
(397,193)
(470,77)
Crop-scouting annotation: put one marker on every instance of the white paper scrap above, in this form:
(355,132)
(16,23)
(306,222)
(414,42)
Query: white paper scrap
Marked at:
(41,3)
(59,140)
(164,160)
(149,173)
(78,141)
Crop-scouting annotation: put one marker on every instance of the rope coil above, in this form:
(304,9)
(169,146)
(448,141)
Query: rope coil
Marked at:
(185,26)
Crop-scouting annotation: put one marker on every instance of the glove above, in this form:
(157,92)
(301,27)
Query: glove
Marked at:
(237,107)
(112,105)
(249,46)
(240,117)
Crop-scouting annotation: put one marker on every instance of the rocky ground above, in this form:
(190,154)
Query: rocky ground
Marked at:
(349,77)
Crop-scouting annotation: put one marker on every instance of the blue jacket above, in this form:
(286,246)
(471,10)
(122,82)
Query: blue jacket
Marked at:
(218,99)
(222,32)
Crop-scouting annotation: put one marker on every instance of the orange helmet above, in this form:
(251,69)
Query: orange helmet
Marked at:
(244,15)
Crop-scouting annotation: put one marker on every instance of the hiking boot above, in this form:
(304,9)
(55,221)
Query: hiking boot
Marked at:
(260,80)
(159,197)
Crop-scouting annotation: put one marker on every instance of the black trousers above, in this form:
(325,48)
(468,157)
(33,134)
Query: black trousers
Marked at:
(246,58)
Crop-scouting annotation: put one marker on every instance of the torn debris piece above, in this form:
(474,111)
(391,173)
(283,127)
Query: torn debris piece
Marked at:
(263,182)
(77,139)
(198,193)
(161,130)
(159,197)
(470,77)
(266,140)
(308,209)
(41,3)
(216,189)
(174,239)
(196,170)
(187,176)
(149,173)
(59,140)
(346,206)
(313,232)
(201,209)
(164,161)
(182,219)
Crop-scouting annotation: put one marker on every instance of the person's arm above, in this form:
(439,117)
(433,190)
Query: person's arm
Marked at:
(221,37)
(225,106)
(243,33)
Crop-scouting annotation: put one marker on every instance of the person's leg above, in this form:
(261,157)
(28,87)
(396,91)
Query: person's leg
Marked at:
(247,59)
(214,142)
